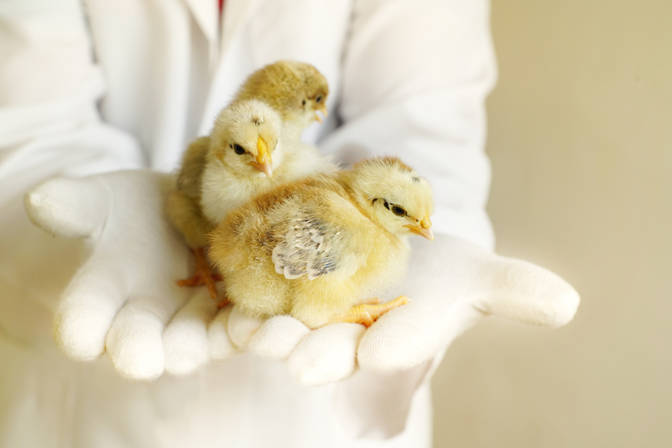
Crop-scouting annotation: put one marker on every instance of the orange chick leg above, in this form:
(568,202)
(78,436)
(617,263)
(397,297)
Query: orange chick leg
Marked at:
(203,274)
(369,311)
(222,303)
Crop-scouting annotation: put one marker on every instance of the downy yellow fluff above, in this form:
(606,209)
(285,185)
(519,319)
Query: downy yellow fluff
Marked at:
(314,248)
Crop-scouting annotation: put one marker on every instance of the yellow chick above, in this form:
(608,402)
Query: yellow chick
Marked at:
(296,90)
(315,247)
(238,151)
(242,157)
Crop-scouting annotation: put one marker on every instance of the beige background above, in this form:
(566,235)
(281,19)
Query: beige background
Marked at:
(580,137)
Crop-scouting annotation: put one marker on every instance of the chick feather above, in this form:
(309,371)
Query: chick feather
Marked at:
(183,203)
(316,247)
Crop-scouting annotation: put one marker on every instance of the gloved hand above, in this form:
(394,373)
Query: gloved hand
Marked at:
(451,283)
(121,298)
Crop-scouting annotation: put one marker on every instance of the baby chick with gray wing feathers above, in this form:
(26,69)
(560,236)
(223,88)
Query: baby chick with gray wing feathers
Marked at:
(315,247)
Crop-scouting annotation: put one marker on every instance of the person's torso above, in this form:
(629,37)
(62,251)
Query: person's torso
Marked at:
(170,66)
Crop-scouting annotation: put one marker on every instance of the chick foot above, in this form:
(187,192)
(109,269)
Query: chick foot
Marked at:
(369,311)
(222,303)
(197,280)
(203,274)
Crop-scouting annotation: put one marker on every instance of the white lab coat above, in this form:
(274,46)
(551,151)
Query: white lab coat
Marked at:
(97,85)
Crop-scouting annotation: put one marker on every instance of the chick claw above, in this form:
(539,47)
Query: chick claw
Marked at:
(370,311)
(203,274)
(197,280)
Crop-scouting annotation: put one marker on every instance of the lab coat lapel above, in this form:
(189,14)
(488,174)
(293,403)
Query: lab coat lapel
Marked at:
(206,15)
(236,14)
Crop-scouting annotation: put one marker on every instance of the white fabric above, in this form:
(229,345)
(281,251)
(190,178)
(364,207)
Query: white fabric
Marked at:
(101,86)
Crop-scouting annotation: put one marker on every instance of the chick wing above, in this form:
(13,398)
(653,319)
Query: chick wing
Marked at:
(182,205)
(292,244)
(310,246)
(193,165)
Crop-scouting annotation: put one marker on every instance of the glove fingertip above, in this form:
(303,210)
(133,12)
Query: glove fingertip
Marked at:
(396,344)
(277,337)
(219,343)
(241,327)
(407,337)
(327,354)
(186,347)
(529,293)
(79,334)
(562,309)
(379,352)
(72,208)
(135,345)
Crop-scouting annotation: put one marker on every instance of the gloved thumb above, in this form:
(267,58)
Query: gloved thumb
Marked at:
(71,208)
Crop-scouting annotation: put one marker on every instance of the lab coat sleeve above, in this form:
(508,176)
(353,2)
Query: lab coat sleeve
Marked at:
(414,80)
(49,87)
(49,126)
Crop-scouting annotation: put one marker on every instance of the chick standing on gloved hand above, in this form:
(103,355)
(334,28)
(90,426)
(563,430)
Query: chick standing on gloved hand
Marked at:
(316,247)
(218,173)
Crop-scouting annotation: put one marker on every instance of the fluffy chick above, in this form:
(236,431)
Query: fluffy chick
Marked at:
(315,247)
(296,90)
(242,157)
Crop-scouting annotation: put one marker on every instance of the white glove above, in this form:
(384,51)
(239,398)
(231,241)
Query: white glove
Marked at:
(451,284)
(123,295)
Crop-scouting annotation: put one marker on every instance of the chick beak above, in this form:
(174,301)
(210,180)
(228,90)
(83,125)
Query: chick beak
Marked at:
(423,228)
(263,162)
(323,109)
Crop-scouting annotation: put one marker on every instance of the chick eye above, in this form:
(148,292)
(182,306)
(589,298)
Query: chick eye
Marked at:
(303,103)
(318,99)
(239,149)
(398,211)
